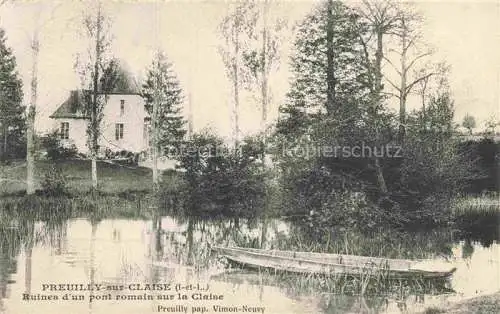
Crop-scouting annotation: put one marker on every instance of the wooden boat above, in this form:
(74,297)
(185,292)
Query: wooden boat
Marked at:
(331,264)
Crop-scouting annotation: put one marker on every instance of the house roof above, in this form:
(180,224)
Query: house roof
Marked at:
(73,107)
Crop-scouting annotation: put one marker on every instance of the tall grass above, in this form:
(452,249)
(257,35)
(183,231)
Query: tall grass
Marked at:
(478,218)
(89,205)
(486,204)
(382,243)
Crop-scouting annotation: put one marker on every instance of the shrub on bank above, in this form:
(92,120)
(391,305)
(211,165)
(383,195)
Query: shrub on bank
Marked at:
(222,181)
(56,150)
(421,181)
(54,182)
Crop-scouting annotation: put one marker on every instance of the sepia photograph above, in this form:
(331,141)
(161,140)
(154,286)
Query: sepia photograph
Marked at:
(249,156)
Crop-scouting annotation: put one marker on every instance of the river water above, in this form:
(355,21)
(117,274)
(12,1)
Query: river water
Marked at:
(122,256)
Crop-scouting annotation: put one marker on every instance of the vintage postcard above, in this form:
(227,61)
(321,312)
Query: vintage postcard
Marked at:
(258,156)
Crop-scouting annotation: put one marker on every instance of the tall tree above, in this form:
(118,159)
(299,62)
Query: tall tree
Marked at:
(30,130)
(262,55)
(236,28)
(164,99)
(95,88)
(32,107)
(330,57)
(12,118)
(348,105)
(331,109)
(326,40)
(414,69)
(381,17)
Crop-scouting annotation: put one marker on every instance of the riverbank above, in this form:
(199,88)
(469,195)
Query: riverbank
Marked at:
(480,305)
(113,178)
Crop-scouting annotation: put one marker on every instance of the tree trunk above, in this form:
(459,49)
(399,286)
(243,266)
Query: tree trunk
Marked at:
(379,54)
(403,88)
(30,132)
(330,75)
(30,152)
(94,117)
(154,130)
(263,234)
(423,107)
(236,131)
(380,176)
(264,87)
(378,91)
(5,137)
(94,171)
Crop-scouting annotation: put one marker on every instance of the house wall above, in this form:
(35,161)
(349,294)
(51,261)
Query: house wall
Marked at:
(77,133)
(133,120)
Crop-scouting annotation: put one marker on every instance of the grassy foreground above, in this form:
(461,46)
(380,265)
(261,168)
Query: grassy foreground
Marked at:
(112,178)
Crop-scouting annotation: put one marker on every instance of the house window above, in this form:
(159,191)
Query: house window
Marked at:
(65,130)
(122,107)
(119,131)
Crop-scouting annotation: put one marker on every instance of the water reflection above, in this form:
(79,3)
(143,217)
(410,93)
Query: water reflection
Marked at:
(118,252)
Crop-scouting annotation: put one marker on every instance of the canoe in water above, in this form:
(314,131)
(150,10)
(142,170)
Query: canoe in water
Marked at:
(331,264)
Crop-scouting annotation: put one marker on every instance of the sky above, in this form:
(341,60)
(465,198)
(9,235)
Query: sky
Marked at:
(466,34)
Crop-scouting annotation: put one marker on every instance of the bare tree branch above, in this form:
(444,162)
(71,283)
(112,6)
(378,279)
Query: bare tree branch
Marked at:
(412,84)
(392,84)
(392,64)
(418,58)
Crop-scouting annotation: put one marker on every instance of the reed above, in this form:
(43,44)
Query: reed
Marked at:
(382,243)
(486,204)
(88,205)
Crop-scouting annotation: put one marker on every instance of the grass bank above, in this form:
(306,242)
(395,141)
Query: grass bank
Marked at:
(113,178)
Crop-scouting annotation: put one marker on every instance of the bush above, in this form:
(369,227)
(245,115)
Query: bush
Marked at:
(433,172)
(56,150)
(55,182)
(122,156)
(486,152)
(222,181)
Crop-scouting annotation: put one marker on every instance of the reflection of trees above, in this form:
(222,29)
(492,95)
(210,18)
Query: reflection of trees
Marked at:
(190,231)
(192,246)
(10,242)
(467,249)
(477,227)
(92,267)
(53,233)
(18,232)
(158,247)
(30,235)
